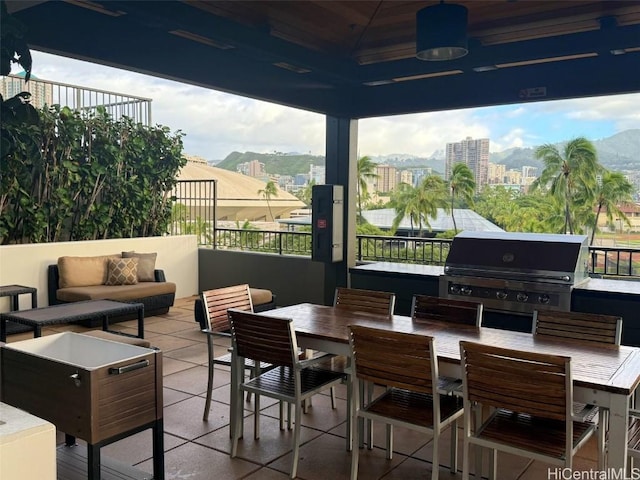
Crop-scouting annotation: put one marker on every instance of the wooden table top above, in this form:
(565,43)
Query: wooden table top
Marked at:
(613,369)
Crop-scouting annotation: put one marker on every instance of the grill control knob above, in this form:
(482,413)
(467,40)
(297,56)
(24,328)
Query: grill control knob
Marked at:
(454,289)
(522,297)
(502,294)
(465,290)
(544,298)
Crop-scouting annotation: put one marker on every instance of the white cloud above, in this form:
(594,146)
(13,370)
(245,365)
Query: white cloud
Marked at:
(217,123)
(419,134)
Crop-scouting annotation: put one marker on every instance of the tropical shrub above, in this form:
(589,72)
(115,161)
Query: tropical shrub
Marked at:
(74,176)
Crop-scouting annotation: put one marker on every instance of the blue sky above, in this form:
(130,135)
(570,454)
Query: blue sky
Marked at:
(216,123)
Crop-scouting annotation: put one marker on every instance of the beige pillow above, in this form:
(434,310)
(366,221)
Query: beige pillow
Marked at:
(83,271)
(146,265)
(122,271)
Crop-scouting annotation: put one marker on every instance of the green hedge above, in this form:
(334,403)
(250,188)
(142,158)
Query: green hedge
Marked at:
(71,176)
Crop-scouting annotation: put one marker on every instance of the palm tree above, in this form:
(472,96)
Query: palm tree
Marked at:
(568,172)
(366,171)
(461,184)
(404,200)
(613,190)
(269,190)
(419,203)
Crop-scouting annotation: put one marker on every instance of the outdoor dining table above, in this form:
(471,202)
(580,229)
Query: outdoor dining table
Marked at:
(603,375)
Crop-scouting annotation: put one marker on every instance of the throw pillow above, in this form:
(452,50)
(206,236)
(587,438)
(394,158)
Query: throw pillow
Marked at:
(146,265)
(123,271)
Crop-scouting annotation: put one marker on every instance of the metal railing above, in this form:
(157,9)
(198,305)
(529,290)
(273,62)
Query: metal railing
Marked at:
(195,213)
(605,262)
(428,251)
(44,92)
(194,210)
(615,262)
(281,243)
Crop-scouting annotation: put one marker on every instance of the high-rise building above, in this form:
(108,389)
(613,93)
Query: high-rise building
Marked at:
(406,176)
(386,180)
(317,174)
(497,173)
(41,92)
(254,168)
(474,154)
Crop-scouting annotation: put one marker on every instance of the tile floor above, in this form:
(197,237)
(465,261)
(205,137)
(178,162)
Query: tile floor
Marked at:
(198,450)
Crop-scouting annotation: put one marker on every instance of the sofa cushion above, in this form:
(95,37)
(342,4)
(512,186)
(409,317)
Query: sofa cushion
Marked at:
(83,271)
(146,265)
(115,292)
(122,271)
(260,296)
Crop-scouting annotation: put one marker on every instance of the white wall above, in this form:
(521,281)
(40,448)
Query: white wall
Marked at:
(27,264)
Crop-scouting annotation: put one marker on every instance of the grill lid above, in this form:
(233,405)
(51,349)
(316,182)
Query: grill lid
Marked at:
(538,256)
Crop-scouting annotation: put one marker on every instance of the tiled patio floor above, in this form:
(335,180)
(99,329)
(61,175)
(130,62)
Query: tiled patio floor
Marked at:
(198,450)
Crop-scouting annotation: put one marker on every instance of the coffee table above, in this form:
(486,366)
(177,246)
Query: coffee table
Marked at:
(37,318)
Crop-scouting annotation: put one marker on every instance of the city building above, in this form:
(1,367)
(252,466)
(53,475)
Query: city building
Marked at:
(317,174)
(41,93)
(406,176)
(254,168)
(474,154)
(386,178)
(496,173)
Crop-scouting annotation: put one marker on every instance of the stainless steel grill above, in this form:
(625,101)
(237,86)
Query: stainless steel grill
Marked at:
(515,272)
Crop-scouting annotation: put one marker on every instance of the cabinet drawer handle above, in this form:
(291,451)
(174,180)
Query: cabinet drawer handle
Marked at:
(129,368)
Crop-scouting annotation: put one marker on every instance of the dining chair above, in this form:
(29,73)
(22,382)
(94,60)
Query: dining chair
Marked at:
(371,301)
(272,340)
(411,398)
(425,308)
(583,327)
(461,312)
(530,397)
(216,302)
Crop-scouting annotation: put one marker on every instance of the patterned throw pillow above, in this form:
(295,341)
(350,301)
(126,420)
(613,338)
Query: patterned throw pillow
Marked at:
(122,271)
(146,265)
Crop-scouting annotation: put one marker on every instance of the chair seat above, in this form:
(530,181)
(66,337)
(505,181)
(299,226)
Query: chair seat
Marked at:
(279,382)
(412,407)
(539,435)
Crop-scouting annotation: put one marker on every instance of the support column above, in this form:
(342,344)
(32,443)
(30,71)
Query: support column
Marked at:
(341,169)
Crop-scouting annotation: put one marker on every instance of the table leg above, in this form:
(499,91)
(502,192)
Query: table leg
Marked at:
(3,329)
(93,462)
(158,450)
(15,303)
(34,300)
(618,424)
(105,323)
(37,331)
(141,322)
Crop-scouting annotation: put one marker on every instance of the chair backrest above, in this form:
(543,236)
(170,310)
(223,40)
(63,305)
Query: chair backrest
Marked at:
(217,301)
(524,382)
(394,359)
(263,338)
(462,312)
(590,327)
(371,301)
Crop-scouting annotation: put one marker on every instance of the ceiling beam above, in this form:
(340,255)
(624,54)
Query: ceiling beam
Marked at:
(570,79)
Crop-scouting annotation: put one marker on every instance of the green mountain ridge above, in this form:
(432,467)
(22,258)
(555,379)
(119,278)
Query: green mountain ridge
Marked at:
(617,152)
(280,163)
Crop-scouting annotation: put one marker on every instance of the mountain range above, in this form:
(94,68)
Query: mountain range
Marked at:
(619,152)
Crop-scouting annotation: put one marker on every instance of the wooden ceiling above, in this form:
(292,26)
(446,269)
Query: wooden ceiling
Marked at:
(353,58)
